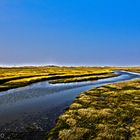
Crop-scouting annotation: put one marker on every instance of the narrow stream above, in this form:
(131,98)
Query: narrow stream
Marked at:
(37,106)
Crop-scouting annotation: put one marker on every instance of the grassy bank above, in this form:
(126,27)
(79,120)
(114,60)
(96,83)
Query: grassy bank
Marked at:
(111,112)
(22,76)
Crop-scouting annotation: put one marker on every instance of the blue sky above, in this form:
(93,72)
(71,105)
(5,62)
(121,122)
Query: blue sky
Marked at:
(70,32)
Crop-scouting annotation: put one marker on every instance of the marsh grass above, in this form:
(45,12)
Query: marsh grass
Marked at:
(86,77)
(22,76)
(111,112)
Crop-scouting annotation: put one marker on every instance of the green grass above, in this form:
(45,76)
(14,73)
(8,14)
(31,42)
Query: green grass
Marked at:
(111,112)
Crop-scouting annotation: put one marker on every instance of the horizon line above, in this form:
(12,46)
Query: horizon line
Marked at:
(64,65)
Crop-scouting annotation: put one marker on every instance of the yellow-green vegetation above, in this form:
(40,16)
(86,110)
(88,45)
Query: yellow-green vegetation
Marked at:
(111,112)
(131,69)
(84,77)
(22,76)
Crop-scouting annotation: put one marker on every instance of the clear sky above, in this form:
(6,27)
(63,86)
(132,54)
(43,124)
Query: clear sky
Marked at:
(70,32)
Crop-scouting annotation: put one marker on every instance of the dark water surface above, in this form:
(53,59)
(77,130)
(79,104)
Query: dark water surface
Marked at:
(37,106)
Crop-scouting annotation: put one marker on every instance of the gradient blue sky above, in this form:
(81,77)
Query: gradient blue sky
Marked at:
(70,32)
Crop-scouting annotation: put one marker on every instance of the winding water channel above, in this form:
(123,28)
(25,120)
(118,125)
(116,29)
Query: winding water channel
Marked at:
(37,106)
